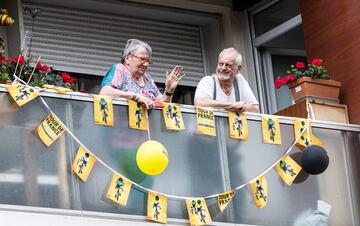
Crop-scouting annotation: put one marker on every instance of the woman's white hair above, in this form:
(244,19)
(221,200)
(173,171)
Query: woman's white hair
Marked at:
(134,44)
(238,59)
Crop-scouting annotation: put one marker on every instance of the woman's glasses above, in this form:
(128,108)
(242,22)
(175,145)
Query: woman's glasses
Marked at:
(143,59)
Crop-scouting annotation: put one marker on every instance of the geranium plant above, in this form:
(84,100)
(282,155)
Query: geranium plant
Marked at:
(314,70)
(35,72)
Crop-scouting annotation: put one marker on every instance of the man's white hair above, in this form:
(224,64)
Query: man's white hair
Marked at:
(238,59)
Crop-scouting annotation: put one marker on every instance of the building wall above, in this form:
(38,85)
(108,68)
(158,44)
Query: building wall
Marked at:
(331,32)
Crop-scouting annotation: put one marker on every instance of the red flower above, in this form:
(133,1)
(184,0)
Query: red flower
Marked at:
(21,59)
(279,82)
(300,64)
(286,79)
(44,67)
(65,76)
(2,59)
(71,80)
(291,77)
(16,59)
(317,61)
(38,65)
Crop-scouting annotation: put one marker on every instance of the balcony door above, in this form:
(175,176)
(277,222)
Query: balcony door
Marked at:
(278,42)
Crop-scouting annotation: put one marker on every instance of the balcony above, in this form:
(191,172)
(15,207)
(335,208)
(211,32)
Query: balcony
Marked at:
(38,185)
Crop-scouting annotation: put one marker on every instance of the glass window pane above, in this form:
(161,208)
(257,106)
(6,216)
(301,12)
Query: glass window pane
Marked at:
(275,15)
(280,64)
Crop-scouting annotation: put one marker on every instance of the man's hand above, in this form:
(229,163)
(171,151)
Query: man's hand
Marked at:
(237,107)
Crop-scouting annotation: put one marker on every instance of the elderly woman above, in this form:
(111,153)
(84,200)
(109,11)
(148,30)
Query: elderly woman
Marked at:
(129,79)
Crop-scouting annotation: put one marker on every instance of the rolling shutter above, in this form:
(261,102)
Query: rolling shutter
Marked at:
(80,41)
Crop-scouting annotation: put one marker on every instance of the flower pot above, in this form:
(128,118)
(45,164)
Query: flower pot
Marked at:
(315,88)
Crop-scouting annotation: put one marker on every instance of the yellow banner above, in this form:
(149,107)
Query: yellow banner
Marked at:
(299,126)
(205,121)
(172,117)
(224,199)
(271,130)
(238,126)
(287,169)
(259,189)
(198,212)
(119,189)
(137,116)
(22,94)
(103,111)
(50,129)
(157,207)
(83,163)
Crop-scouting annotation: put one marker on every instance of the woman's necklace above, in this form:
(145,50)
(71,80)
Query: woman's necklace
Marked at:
(139,80)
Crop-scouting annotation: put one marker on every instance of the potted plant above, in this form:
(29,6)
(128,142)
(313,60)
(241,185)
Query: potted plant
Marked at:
(32,71)
(310,81)
(35,72)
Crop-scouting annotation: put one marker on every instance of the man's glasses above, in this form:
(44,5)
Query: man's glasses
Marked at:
(143,59)
(228,66)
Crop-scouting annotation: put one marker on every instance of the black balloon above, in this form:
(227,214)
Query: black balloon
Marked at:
(314,159)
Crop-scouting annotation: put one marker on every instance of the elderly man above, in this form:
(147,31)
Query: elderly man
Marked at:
(227,88)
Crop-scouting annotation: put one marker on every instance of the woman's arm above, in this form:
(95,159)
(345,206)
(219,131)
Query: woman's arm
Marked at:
(111,91)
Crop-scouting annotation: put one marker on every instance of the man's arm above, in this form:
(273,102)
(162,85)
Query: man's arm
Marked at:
(206,102)
(242,107)
(230,106)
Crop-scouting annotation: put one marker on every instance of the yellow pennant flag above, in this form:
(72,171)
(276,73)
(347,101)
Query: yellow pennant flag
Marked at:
(172,116)
(22,94)
(83,163)
(271,130)
(103,111)
(299,126)
(157,207)
(287,169)
(205,121)
(50,129)
(259,189)
(137,116)
(119,189)
(224,199)
(198,212)
(238,126)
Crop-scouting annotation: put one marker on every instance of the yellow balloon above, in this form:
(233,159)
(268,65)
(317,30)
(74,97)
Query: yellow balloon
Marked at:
(152,157)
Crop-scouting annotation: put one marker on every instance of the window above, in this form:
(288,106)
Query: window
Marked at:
(86,40)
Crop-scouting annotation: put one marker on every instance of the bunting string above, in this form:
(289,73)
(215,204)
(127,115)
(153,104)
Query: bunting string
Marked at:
(168,195)
(46,106)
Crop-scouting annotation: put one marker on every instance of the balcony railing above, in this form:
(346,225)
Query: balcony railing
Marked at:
(33,176)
